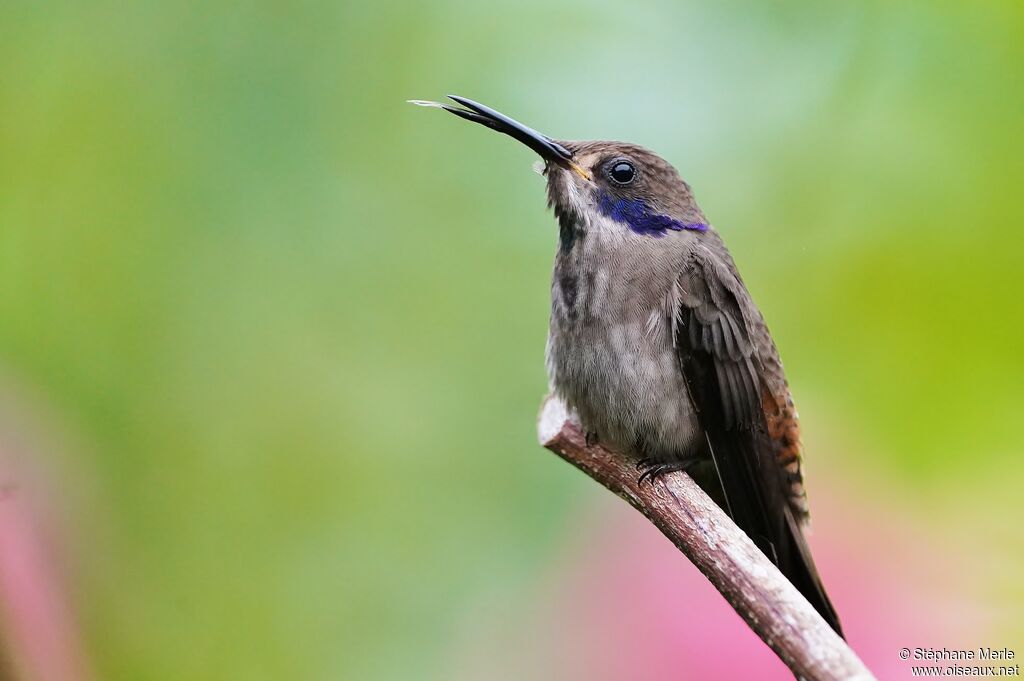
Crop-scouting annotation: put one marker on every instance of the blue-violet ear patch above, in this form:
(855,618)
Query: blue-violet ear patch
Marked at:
(641,219)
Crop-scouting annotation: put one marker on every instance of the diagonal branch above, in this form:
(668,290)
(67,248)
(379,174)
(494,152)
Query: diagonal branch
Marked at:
(755,588)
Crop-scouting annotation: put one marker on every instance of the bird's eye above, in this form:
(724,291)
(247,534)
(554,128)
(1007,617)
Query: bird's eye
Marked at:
(622,172)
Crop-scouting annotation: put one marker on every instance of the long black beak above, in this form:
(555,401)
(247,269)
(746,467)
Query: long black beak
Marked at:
(548,149)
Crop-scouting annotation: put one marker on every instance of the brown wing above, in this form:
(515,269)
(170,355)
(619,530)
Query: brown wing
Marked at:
(716,343)
(735,380)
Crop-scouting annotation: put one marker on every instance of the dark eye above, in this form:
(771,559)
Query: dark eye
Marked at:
(622,172)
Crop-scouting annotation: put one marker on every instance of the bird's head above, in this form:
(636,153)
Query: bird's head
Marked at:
(596,184)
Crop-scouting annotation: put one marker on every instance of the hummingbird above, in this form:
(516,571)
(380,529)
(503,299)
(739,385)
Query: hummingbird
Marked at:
(656,343)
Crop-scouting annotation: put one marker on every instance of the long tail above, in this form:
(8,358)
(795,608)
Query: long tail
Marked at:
(761,510)
(798,566)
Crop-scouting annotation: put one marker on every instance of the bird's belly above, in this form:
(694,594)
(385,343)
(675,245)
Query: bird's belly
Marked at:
(624,381)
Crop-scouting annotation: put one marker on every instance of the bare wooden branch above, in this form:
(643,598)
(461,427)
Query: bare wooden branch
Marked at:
(755,588)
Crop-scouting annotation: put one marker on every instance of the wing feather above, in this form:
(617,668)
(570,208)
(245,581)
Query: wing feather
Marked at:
(719,337)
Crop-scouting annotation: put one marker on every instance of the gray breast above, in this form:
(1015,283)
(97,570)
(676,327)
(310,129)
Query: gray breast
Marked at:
(610,352)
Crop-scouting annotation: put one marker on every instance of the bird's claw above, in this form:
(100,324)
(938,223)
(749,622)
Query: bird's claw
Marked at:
(652,470)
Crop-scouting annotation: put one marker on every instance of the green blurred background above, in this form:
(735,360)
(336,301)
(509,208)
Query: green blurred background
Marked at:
(283,333)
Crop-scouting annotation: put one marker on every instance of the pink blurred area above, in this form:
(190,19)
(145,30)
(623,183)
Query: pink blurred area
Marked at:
(39,637)
(620,602)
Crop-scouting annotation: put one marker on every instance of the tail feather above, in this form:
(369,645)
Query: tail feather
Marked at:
(761,509)
(798,566)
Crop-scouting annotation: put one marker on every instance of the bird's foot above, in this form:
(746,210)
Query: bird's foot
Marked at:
(652,469)
(591,438)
